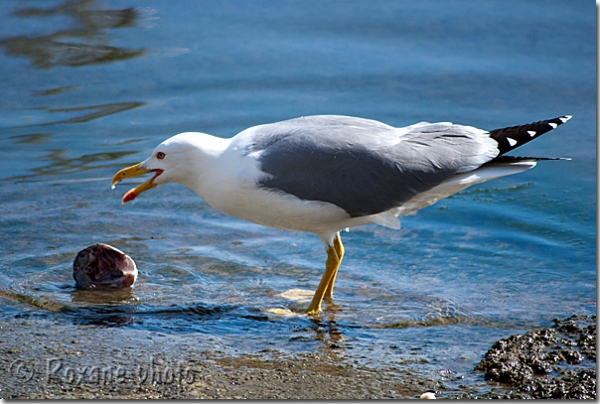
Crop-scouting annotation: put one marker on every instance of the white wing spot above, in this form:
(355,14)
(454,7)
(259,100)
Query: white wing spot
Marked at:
(554,125)
(565,118)
(532,133)
(511,141)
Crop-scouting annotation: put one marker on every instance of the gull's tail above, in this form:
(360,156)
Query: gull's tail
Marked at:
(508,139)
(514,136)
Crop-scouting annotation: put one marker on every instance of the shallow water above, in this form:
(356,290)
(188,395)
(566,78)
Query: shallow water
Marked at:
(92,87)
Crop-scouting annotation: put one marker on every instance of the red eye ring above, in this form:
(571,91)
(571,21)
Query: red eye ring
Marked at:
(160,155)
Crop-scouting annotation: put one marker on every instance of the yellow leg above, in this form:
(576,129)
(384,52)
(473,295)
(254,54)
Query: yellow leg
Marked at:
(331,268)
(339,249)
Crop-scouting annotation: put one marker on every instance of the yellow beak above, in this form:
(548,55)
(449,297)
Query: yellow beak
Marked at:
(135,171)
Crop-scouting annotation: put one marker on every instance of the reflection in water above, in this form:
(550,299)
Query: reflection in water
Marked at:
(108,316)
(326,329)
(45,52)
(104,307)
(54,91)
(98,111)
(61,164)
(83,45)
(99,296)
(91,112)
(31,138)
(324,326)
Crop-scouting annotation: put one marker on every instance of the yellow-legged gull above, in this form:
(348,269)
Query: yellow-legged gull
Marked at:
(325,173)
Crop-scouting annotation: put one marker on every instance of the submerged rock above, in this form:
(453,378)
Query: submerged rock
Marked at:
(557,362)
(102,265)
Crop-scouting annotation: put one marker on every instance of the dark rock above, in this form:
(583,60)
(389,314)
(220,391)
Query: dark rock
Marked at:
(528,362)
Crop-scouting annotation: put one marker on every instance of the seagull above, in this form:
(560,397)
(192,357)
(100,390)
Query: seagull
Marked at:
(326,173)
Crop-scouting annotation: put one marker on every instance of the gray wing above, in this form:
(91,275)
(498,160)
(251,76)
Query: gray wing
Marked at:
(364,166)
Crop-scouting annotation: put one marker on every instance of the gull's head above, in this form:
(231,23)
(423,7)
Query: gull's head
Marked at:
(174,160)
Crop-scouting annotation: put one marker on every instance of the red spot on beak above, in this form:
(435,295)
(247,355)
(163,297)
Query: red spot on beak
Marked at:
(133,193)
(129,196)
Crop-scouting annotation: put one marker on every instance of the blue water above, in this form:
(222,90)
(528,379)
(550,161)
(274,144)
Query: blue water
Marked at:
(87,89)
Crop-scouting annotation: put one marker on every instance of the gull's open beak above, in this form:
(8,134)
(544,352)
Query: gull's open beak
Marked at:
(135,171)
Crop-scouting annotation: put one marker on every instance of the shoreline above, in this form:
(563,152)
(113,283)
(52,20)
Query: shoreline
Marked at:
(95,362)
(44,358)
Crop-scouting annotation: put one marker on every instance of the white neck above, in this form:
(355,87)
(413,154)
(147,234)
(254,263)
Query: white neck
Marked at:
(200,166)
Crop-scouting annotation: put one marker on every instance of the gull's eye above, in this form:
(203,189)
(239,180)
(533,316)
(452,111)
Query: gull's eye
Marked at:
(160,155)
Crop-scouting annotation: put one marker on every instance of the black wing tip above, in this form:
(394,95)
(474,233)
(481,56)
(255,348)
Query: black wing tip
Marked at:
(513,159)
(511,137)
(560,119)
(565,118)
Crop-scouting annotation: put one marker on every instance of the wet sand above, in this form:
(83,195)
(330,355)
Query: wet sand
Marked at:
(42,358)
